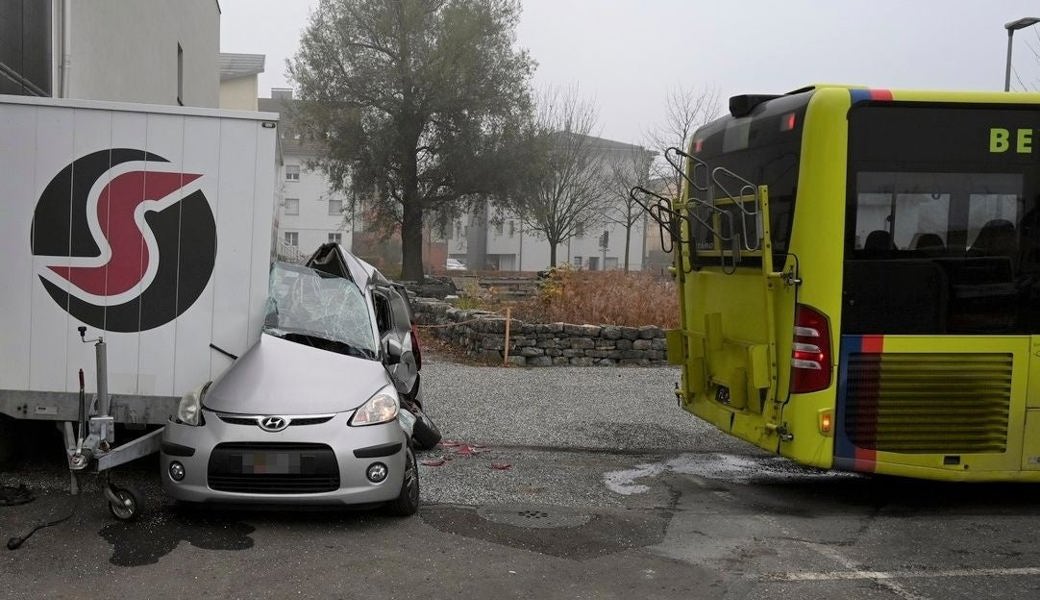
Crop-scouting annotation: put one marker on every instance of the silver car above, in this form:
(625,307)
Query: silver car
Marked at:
(312,414)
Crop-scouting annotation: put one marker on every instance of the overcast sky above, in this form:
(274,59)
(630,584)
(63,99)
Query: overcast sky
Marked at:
(627,54)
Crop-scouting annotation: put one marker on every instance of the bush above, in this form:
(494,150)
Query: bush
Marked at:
(603,297)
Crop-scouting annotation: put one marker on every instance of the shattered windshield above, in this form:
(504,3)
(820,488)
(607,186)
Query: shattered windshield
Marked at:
(318,309)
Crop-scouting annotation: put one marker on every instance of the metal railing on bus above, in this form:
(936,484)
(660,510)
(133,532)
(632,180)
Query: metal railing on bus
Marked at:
(701,198)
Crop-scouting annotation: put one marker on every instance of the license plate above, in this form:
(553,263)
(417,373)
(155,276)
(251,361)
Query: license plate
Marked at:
(271,463)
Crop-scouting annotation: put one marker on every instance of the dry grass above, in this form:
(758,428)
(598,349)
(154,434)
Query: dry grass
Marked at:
(603,297)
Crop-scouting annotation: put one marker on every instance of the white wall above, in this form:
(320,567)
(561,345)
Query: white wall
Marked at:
(239,93)
(127,51)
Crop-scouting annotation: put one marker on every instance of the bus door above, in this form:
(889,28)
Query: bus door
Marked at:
(939,365)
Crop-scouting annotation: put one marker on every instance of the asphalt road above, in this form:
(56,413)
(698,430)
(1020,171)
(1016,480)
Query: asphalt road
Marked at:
(555,483)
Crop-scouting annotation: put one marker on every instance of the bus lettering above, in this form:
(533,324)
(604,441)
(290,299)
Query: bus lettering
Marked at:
(1000,140)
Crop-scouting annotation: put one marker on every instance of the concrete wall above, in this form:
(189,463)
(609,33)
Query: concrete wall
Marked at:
(127,51)
(239,93)
(482,334)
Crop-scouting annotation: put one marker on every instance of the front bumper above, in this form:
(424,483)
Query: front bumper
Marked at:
(354,448)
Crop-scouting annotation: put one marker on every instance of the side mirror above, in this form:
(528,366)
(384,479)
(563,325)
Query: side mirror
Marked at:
(394,352)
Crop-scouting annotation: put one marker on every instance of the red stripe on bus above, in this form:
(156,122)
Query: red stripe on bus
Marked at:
(880,95)
(875,344)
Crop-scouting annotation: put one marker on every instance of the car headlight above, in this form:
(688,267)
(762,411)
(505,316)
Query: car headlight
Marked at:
(189,411)
(381,408)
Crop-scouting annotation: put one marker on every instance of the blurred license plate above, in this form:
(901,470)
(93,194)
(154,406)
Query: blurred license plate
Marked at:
(270,463)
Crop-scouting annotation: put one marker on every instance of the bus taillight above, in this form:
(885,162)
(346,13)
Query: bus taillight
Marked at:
(811,352)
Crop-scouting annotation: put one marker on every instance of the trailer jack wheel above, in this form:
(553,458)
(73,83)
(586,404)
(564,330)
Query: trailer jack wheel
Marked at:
(123,502)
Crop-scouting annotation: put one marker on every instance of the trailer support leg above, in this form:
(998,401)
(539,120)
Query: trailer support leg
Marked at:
(70,447)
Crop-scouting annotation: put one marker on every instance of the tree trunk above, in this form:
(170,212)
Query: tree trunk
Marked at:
(628,241)
(412,215)
(411,242)
(552,254)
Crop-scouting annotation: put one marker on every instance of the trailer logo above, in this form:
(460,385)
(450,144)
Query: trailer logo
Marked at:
(122,242)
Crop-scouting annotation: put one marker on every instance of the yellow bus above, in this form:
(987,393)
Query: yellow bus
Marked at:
(859,279)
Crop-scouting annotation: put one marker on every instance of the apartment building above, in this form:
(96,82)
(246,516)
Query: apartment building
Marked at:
(151,51)
(496,239)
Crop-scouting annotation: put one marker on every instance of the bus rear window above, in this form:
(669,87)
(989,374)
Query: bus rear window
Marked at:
(761,149)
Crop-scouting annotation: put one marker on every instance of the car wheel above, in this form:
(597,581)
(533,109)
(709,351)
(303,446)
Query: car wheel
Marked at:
(407,503)
(425,432)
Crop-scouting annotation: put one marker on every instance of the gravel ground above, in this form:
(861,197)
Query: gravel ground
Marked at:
(555,433)
(620,409)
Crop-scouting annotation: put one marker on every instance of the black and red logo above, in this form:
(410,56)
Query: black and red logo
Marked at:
(122,242)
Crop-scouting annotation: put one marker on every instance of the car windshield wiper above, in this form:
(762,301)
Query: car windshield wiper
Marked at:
(318,340)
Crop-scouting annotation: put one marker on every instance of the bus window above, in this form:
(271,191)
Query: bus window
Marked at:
(763,150)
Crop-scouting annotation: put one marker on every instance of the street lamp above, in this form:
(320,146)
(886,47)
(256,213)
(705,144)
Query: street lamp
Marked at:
(1012,27)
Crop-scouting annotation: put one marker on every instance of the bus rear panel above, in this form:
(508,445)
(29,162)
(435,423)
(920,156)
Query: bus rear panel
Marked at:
(897,330)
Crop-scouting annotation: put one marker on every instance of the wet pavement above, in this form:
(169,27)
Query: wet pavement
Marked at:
(555,483)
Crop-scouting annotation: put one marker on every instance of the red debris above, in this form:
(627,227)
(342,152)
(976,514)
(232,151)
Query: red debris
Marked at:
(433,462)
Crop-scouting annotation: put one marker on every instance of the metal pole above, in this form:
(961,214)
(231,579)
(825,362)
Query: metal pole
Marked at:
(1007,68)
(102,377)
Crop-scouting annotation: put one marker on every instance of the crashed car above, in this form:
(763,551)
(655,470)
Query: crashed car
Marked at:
(312,413)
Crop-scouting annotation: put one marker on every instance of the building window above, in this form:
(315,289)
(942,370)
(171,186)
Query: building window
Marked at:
(577,262)
(336,238)
(335,208)
(579,230)
(498,228)
(292,238)
(292,172)
(180,75)
(512,228)
(292,206)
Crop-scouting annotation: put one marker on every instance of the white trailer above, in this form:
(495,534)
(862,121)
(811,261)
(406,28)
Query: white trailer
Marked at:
(151,226)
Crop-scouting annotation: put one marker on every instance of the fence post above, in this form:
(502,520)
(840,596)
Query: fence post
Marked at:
(505,347)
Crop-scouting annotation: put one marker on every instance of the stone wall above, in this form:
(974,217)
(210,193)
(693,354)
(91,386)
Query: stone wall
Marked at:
(482,334)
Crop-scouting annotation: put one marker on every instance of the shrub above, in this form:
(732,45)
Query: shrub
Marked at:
(603,297)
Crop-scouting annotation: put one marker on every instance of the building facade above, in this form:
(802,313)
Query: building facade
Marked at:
(496,239)
(150,51)
(310,213)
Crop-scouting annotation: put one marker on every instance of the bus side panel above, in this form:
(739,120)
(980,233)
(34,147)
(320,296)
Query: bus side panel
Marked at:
(817,238)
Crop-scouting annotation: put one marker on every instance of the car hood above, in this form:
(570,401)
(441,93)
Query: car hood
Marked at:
(280,377)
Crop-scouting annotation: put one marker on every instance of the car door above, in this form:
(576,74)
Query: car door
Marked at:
(394,323)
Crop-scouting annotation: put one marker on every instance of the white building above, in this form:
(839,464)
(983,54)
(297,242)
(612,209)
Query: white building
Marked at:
(239,81)
(152,51)
(497,240)
(310,214)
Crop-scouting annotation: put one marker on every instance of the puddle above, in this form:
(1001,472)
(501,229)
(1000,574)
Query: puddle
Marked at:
(144,542)
(725,467)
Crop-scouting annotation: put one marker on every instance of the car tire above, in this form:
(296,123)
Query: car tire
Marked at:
(425,432)
(407,503)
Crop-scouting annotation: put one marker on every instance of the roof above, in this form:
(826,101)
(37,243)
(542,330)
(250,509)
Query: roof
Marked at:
(234,66)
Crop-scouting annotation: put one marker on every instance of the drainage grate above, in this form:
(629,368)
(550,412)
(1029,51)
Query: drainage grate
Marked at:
(533,517)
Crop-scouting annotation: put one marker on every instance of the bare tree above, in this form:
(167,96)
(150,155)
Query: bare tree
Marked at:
(686,109)
(627,170)
(565,192)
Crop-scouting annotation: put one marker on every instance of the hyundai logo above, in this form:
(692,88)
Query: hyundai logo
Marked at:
(273,423)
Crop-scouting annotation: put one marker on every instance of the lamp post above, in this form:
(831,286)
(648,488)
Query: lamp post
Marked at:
(1012,27)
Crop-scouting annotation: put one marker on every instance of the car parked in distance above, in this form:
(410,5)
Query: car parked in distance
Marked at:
(312,414)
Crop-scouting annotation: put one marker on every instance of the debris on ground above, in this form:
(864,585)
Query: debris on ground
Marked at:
(13,496)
